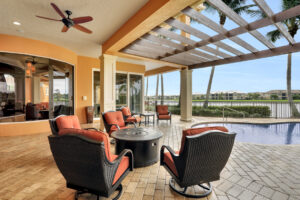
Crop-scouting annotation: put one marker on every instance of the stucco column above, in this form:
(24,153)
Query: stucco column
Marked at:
(107,84)
(186,94)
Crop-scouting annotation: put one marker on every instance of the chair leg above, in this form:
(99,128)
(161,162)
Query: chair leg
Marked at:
(207,192)
(120,189)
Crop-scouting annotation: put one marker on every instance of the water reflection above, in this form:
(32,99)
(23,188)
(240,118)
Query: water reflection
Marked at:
(281,133)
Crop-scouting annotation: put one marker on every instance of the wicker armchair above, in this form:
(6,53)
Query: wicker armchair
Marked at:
(200,160)
(64,121)
(162,113)
(113,121)
(129,117)
(86,164)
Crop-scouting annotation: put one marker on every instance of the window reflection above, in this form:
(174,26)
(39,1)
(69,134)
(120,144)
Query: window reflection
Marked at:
(34,88)
(121,90)
(136,93)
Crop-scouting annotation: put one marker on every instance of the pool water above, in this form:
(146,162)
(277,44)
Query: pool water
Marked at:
(279,133)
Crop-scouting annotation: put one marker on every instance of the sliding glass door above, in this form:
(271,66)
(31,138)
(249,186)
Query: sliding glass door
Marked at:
(136,93)
(121,90)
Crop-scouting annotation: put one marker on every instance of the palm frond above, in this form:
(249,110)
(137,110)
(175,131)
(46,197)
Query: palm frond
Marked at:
(256,13)
(209,8)
(243,9)
(274,35)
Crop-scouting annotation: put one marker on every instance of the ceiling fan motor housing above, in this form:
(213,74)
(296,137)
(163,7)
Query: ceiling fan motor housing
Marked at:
(68,22)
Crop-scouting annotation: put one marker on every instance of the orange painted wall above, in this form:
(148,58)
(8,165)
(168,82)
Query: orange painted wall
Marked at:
(85,67)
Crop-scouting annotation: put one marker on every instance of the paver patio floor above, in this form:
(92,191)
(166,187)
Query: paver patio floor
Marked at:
(27,171)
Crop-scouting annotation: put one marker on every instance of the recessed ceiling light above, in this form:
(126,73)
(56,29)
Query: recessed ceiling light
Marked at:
(16,23)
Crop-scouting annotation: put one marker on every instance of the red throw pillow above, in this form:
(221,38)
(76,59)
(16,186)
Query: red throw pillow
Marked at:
(94,135)
(71,121)
(115,118)
(195,131)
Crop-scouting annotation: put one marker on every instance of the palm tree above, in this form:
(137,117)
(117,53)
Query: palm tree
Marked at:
(237,6)
(293,25)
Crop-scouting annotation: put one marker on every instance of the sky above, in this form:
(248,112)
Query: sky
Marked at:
(249,76)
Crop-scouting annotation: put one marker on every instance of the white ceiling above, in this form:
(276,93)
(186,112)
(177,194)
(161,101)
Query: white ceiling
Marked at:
(109,16)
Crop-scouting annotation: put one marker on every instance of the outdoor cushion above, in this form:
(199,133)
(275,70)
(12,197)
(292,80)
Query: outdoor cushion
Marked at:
(133,119)
(195,131)
(114,128)
(169,162)
(164,117)
(94,135)
(126,111)
(68,122)
(162,110)
(124,164)
(114,118)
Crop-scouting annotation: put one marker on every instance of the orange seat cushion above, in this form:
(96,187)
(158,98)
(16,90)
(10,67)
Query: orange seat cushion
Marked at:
(124,164)
(133,119)
(162,110)
(114,128)
(68,122)
(114,118)
(195,131)
(169,162)
(126,111)
(94,135)
(164,117)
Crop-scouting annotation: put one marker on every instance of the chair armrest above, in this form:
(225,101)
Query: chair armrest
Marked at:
(115,125)
(162,153)
(125,152)
(91,129)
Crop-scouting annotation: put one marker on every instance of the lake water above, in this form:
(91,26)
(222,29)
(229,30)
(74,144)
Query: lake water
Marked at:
(279,133)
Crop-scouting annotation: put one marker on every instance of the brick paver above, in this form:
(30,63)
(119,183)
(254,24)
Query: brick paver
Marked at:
(27,171)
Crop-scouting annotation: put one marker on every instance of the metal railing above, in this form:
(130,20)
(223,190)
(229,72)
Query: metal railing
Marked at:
(233,111)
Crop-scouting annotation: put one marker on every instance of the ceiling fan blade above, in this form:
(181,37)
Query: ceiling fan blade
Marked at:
(80,20)
(64,29)
(81,28)
(58,10)
(48,18)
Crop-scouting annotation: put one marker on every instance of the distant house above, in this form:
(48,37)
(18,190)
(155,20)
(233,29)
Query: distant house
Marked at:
(281,94)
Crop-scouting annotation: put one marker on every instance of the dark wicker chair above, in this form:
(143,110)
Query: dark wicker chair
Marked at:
(117,118)
(130,118)
(85,166)
(54,127)
(200,161)
(162,113)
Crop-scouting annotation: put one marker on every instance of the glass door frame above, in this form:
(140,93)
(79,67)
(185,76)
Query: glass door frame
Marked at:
(128,88)
(95,70)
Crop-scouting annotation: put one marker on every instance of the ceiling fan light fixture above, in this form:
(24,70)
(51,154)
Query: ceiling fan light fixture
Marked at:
(17,23)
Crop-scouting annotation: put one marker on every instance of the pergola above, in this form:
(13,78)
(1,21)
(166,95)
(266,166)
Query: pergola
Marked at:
(165,45)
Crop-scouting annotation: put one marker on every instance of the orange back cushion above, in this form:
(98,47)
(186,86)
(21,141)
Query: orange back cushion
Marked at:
(68,122)
(162,110)
(114,118)
(196,131)
(126,111)
(94,135)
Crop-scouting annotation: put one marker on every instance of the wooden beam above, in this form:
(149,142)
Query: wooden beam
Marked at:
(153,13)
(191,43)
(280,26)
(222,7)
(160,70)
(261,54)
(188,29)
(252,26)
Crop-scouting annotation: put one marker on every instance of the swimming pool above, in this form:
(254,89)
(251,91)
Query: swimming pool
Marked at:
(279,133)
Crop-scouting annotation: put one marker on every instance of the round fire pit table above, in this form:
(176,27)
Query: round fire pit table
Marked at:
(144,143)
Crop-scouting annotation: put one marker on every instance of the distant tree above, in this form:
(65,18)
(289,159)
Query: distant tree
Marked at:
(296,97)
(274,96)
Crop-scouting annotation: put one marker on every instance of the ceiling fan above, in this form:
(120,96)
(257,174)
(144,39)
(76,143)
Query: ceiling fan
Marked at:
(68,22)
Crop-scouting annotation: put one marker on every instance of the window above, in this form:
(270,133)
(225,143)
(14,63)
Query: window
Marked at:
(34,88)
(96,93)
(136,93)
(121,90)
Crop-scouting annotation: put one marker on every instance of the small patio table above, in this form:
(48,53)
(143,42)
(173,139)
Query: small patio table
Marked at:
(147,117)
